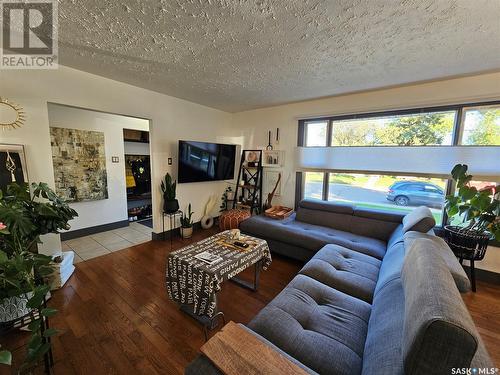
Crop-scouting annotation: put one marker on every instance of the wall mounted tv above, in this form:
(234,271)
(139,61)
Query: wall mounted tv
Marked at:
(201,161)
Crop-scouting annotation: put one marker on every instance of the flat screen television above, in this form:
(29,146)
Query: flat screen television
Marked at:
(202,161)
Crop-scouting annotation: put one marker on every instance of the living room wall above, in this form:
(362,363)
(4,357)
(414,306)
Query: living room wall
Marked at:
(255,124)
(171,119)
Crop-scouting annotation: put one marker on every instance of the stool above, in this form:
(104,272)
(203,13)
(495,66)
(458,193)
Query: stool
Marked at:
(231,219)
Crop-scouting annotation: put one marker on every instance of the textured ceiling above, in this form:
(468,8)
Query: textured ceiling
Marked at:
(237,55)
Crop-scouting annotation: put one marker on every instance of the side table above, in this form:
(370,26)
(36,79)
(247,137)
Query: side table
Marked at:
(171,218)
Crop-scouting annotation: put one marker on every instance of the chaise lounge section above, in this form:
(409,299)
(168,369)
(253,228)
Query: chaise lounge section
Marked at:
(353,311)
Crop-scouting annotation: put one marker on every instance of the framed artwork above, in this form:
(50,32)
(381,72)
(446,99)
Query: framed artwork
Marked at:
(12,165)
(79,161)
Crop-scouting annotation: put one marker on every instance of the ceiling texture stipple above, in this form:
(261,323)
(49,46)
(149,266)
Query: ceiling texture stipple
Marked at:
(239,55)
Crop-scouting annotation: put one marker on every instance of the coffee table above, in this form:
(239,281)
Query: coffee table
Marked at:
(194,284)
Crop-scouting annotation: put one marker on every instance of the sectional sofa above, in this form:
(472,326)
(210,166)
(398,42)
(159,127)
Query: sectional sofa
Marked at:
(379,294)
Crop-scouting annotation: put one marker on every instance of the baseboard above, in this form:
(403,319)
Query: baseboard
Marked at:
(93,230)
(175,231)
(485,275)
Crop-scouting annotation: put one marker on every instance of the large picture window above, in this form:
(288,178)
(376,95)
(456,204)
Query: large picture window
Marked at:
(457,125)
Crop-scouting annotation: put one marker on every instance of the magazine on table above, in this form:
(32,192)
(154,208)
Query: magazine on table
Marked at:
(208,258)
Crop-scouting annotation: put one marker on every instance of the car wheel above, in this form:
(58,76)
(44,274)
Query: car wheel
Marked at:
(401,200)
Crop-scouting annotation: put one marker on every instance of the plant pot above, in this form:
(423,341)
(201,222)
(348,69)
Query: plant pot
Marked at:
(12,308)
(170,207)
(230,195)
(466,244)
(187,232)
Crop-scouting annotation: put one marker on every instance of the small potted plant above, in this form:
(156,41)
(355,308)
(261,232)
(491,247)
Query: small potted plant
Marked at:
(227,196)
(478,213)
(168,187)
(187,223)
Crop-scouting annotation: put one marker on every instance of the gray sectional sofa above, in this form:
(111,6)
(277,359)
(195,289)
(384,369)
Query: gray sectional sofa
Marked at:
(379,294)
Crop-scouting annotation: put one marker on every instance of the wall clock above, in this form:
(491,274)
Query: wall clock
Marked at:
(12,115)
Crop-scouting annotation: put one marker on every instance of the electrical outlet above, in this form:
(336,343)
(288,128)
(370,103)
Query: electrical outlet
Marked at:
(169,160)
(115,159)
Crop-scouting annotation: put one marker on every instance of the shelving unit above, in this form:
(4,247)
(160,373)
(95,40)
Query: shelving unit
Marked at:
(248,191)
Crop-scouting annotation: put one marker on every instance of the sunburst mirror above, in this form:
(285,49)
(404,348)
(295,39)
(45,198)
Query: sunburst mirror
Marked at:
(11,115)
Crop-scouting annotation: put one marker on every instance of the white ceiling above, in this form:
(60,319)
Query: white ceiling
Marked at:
(238,55)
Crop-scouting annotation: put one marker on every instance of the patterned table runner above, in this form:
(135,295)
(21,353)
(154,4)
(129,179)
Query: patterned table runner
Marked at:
(191,281)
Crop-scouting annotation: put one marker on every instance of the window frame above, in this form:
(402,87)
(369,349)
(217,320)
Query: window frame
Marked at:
(457,135)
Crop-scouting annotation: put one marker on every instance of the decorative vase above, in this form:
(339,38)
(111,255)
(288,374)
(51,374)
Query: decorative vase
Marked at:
(187,232)
(207,222)
(12,308)
(169,207)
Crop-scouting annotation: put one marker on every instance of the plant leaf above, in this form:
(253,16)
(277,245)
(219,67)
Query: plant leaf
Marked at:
(49,312)
(5,357)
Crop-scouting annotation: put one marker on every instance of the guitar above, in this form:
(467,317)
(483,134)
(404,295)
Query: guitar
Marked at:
(270,196)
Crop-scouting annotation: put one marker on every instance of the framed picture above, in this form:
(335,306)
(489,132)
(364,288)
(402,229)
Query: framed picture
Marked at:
(12,165)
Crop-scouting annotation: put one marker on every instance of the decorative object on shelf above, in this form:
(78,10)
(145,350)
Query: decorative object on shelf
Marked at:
(207,221)
(252,158)
(168,187)
(79,161)
(278,212)
(270,196)
(479,213)
(231,219)
(269,145)
(23,272)
(273,158)
(12,165)
(187,223)
(17,117)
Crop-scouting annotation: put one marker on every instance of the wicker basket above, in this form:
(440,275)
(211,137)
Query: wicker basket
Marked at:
(467,244)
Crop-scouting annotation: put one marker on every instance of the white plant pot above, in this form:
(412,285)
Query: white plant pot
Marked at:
(186,232)
(230,195)
(12,308)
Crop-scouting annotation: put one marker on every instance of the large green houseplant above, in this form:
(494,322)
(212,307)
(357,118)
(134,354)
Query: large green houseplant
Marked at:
(24,217)
(474,213)
(168,188)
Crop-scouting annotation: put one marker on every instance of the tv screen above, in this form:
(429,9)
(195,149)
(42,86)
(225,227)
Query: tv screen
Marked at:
(201,161)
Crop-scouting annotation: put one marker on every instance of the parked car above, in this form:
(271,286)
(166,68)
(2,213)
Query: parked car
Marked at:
(404,193)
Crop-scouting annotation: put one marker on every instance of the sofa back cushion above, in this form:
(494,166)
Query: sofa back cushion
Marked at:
(438,332)
(440,248)
(420,220)
(375,223)
(327,214)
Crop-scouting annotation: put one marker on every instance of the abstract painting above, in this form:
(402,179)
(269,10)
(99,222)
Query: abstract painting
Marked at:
(79,163)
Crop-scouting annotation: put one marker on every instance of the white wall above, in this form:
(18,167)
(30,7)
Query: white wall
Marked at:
(171,119)
(255,124)
(114,208)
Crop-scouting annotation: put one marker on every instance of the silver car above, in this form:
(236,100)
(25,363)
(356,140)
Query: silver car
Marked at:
(414,193)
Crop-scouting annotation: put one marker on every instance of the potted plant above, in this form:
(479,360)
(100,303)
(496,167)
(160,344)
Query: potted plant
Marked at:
(187,223)
(168,187)
(227,196)
(23,272)
(477,212)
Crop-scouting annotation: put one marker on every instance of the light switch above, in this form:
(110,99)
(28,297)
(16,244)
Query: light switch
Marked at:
(169,160)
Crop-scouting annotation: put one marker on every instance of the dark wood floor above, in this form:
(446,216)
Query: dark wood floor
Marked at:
(115,316)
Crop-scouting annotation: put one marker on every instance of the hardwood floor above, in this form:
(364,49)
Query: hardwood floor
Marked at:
(115,317)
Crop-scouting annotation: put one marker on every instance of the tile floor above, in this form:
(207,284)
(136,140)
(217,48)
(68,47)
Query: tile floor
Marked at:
(98,244)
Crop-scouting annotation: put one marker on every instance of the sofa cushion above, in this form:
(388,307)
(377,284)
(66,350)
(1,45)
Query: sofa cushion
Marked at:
(346,270)
(327,214)
(382,353)
(375,223)
(438,332)
(396,236)
(391,266)
(441,248)
(309,236)
(420,220)
(321,327)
